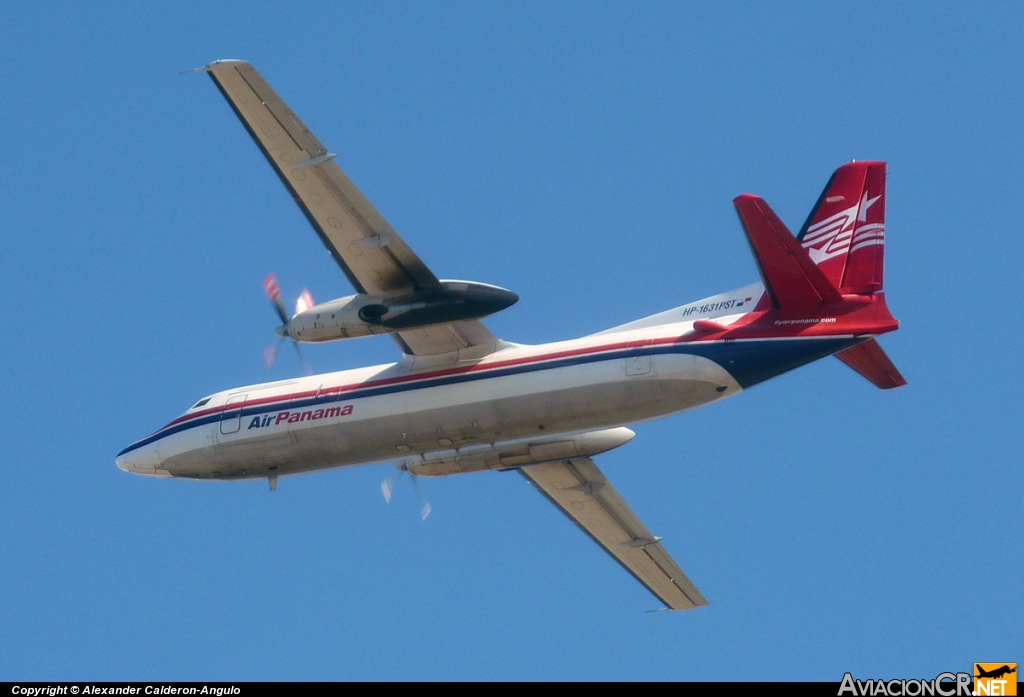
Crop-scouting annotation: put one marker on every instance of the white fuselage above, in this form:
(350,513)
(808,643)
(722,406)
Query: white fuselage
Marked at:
(439,413)
(407,409)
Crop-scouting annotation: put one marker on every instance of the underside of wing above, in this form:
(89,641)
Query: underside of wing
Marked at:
(583,493)
(376,260)
(373,256)
(448,339)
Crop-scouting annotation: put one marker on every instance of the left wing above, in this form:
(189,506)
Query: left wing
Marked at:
(579,488)
(372,255)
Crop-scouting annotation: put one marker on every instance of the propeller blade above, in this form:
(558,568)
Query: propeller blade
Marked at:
(274,293)
(270,353)
(304,302)
(389,484)
(306,367)
(426,506)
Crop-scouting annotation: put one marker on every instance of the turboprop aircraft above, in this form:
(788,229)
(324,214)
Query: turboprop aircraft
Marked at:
(462,400)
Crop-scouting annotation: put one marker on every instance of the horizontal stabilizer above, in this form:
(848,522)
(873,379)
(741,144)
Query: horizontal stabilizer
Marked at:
(792,280)
(870,360)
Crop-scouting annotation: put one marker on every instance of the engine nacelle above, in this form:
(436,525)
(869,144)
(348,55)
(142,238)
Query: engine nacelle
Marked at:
(364,315)
(519,454)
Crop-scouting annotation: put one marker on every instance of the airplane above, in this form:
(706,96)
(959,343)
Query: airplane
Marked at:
(462,400)
(995,673)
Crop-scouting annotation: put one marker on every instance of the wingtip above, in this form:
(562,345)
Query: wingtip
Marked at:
(210,66)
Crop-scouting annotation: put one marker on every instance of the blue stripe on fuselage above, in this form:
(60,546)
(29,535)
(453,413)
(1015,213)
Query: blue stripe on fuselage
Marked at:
(749,362)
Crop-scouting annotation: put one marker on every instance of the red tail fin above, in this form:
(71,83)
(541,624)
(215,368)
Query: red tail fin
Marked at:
(845,232)
(791,279)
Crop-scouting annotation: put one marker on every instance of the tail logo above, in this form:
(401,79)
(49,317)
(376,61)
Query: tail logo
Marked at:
(844,232)
(865,204)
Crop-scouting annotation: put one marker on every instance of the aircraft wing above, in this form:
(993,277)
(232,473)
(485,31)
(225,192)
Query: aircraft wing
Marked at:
(581,491)
(446,338)
(372,255)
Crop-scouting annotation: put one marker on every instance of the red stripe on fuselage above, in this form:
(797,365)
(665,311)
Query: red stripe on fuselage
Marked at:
(869,316)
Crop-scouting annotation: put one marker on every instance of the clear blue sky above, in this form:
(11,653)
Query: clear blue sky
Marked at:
(585,156)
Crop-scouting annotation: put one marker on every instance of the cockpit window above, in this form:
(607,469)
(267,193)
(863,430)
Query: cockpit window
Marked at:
(200,403)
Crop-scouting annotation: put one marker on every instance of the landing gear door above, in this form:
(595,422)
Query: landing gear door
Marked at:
(231,414)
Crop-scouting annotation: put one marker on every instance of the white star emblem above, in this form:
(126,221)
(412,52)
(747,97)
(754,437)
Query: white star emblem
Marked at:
(865,204)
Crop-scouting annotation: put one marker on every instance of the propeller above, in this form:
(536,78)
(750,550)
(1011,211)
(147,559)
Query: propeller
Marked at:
(304,302)
(389,484)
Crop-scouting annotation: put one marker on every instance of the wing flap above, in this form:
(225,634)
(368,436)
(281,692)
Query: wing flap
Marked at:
(582,492)
(447,339)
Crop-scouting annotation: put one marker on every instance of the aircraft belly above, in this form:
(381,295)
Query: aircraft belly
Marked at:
(582,397)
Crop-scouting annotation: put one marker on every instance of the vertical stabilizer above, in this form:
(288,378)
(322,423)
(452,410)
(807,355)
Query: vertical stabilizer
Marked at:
(790,277)
(845,232)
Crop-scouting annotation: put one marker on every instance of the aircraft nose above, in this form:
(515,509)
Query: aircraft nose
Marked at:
(140,460)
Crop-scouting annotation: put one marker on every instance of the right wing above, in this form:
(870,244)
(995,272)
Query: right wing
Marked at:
(375,259)
(581,491)
(372,255)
